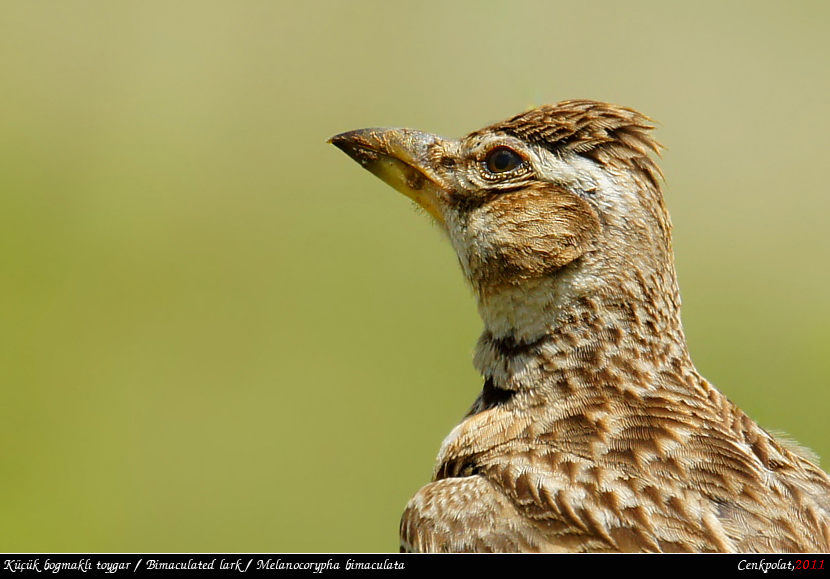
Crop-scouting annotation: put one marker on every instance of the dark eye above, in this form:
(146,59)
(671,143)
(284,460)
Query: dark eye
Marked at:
(502,159)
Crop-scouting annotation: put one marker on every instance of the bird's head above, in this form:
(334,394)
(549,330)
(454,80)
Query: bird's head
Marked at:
(563,200)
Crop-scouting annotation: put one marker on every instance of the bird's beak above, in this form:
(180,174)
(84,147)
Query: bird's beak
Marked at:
(401,158)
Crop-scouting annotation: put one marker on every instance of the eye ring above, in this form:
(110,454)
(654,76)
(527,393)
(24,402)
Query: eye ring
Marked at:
(502,160)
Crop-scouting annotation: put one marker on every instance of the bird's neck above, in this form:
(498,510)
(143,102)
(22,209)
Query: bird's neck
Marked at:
(575,330)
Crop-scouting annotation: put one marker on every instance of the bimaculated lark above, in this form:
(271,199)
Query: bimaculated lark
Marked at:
(594,431)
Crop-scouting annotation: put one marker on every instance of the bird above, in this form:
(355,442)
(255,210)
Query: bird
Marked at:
(594,431)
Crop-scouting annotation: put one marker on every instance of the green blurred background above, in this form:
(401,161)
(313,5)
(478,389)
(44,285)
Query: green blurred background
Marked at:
(220,334)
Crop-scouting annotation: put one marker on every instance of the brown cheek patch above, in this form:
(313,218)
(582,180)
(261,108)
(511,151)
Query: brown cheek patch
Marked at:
(541,228)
